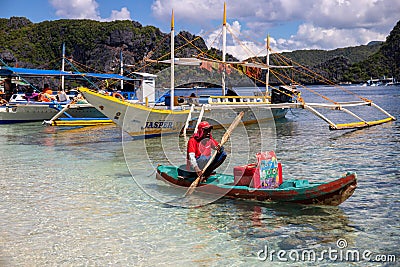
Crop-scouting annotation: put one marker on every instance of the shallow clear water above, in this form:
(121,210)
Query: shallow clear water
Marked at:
(68,198)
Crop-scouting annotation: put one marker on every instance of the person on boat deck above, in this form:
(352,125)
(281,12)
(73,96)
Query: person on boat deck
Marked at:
(2,100)
(199,151)
(8,87)
(46,89)
(47,94)
(192,99)
(62,96)
(79,99)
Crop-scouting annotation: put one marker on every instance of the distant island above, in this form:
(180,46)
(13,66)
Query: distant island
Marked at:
(98,44)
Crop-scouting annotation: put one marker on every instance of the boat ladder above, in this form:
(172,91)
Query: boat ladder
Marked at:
(189,118)
(199,118)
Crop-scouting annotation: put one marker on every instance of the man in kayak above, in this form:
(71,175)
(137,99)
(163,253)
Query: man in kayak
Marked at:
(199,151)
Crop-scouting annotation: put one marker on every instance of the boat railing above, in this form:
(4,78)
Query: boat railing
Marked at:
(234,100)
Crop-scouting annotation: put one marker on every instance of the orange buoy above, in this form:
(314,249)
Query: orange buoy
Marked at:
(118,95)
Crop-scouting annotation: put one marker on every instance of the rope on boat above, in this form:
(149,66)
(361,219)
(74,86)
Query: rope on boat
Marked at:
(83,76)
(309,89)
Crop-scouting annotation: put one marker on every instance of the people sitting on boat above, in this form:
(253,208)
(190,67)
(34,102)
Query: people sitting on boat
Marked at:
(46,95)
(193,99)
(62,96)
(47,90)
(103,91)
(8,87)
(199,151)
(230,92)
(79,99)
(31,95)
(2,100)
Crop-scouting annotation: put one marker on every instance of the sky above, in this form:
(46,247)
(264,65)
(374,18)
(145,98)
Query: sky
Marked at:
(291,24)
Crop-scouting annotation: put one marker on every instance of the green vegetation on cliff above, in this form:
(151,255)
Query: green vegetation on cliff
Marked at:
(91,43)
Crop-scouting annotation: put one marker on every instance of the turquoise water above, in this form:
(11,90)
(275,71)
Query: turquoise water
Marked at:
(67,197)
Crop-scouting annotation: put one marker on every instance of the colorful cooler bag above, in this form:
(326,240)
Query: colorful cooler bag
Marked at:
(269,171)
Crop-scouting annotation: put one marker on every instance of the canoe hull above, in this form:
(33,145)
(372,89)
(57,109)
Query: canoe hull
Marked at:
(331,193)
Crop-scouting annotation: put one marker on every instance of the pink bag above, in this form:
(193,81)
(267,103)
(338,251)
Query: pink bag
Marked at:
(269,171)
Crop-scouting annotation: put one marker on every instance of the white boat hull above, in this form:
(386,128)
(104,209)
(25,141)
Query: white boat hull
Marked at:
(39,112)
(136,119)
(141,121)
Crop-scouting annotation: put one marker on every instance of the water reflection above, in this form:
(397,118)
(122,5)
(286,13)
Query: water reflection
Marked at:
(281,226)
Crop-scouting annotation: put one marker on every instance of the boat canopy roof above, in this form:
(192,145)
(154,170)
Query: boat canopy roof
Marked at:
(5,71)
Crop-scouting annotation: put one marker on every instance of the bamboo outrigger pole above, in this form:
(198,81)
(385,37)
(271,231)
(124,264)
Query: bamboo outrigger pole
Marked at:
(63,67)
(223,50)
(172,60)
(267,75)
(362,123)
(121,64)
(59,114)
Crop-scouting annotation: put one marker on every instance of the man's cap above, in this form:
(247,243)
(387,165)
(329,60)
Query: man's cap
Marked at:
(205,125)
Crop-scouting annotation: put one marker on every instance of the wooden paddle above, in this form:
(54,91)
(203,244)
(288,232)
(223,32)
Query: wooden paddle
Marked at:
(223,141)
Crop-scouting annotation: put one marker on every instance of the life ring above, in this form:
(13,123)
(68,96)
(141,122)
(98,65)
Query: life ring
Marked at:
(118,95)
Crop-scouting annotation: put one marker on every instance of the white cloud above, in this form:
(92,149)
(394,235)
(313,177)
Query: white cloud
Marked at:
(86,9)
(76,9)
(124,14)
(323,24)
(309,36)
(235,46)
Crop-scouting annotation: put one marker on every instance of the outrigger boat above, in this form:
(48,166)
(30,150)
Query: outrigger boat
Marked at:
(25,107)
(22,106)
(331,193)
(39,112)
(149,119)
(146,118)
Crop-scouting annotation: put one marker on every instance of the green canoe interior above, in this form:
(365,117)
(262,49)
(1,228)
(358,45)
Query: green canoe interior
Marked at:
(227,181)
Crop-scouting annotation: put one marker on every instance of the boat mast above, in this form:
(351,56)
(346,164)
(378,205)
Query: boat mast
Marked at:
(223,49)
(172,60)
(267,75)
(63,66)
(121,69)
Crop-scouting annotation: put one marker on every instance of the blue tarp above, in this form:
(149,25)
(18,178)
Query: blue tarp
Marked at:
(5,71)
(32,72)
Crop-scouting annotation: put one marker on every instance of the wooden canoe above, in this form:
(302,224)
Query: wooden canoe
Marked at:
(331,193)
